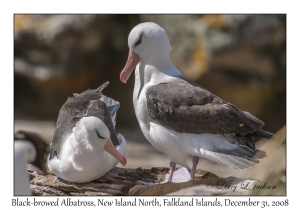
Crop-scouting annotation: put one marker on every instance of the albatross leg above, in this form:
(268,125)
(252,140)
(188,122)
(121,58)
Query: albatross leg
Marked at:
(195,163)
(172,168)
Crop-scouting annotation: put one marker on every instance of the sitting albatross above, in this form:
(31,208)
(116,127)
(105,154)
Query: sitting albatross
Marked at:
(85,145)
(28,148)
(181,118)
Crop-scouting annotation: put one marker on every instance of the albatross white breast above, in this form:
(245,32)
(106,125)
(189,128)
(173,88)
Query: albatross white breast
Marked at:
(85,145)
(179,117)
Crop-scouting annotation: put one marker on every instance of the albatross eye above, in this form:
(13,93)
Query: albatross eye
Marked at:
(138,42)
(100,137)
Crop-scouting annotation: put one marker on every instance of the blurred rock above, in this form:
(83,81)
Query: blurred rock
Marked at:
(274,168)
(240,58)
(57,55)
(43,128)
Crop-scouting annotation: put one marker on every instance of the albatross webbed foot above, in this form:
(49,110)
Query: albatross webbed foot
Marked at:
(112,173)
(172,168)
(195,163)
(61,180)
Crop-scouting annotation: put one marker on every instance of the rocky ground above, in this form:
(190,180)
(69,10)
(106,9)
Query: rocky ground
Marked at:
(136,182)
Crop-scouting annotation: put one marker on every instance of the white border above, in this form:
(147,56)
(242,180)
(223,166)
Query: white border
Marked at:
(8,8)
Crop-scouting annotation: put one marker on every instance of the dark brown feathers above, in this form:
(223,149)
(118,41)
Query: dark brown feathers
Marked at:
(186,108)
(81,105)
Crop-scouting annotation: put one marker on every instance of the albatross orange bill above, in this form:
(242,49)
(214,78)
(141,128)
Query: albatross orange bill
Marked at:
(132,61)
(110,148)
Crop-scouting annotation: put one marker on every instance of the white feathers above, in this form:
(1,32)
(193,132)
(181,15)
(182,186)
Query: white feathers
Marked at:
(178,146)
(230,160)
(24,152)
(82,157)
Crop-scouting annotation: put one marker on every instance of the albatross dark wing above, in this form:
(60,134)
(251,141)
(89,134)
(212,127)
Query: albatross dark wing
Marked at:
(70,113)
(85,104)
(185,108)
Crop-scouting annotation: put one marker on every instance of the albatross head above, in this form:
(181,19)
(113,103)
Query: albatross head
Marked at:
(146,41)
(26,150)
(31,148)
(96,130)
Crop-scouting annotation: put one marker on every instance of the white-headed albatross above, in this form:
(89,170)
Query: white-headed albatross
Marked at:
(85,145)
(28,148)
(179,117)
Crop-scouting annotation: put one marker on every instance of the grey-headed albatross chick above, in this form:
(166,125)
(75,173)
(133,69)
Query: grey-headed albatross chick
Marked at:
(85,145)
(179,117)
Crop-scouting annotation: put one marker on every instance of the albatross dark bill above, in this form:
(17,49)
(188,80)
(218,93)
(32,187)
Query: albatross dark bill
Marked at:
(110,148)
(43,168)
(132,61)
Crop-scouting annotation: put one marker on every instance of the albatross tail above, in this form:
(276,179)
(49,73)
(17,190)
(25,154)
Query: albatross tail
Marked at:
(112,105)
(262,134)
(218,149)
(234,161)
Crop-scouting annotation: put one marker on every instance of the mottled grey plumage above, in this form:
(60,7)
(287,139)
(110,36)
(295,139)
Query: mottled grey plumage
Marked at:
(86,104)
(186,108)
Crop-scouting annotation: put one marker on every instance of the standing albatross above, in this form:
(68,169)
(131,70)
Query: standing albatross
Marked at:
(179,117)
(85,145)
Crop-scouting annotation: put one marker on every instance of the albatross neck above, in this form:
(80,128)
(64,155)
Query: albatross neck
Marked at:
(157,69)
